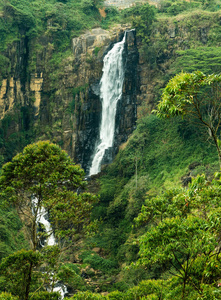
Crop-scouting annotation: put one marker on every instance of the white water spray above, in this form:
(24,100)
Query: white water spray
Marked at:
(111,86)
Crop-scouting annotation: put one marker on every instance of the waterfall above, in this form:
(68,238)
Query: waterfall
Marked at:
(42,219)
(111,85)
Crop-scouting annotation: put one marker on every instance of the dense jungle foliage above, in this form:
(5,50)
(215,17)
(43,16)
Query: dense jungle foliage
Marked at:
(158,231)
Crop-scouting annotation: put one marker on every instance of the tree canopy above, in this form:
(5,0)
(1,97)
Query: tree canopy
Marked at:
(184,244)
(45,172)
(196,96)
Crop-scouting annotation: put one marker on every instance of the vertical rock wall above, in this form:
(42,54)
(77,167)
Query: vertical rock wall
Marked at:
(90,114)
(127,106)
(58,98)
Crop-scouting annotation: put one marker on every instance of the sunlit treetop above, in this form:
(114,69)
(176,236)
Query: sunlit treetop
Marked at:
(196,96)
(184,93)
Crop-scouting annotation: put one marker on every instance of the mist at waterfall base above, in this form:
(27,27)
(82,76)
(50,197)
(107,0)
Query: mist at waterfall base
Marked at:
(111,85)
(42,216)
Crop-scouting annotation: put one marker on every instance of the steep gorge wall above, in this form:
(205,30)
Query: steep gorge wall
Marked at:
(60,93)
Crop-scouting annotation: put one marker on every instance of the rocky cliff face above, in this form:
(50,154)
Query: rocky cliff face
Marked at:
(62,94)
(127,107)
(12,87)
(90,114)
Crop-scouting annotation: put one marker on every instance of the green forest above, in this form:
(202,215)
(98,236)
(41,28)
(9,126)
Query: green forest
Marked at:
(148,226)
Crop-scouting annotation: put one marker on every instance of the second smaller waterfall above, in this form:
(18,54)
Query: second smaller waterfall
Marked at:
(42,215)
(111,86)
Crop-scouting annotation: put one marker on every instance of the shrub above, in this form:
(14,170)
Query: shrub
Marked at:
(87,296)
(7,296)
(116,295)
(97,262)
(45,296)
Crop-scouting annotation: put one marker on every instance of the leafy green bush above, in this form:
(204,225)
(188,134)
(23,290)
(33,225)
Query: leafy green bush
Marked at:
(87,296)
(7,296)
(116,295)
(14,270)
(45,296)
(163,152)
(22,15)
(173,8)
(69,274)
(131,277)
(89,7)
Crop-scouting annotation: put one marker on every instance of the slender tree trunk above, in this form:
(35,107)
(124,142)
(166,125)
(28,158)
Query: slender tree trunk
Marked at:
(34,234)
(219,155)
(217,146)
(184,288)
(185,277)
(212,133)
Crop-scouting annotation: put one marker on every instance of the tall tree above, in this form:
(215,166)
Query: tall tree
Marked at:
(196,96)
(181,244)
(44,177)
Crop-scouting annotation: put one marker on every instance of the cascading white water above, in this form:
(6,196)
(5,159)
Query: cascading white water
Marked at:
(111,86)
(41,218)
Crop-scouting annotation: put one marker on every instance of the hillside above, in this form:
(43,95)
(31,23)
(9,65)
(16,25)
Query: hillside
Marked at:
(158,232)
